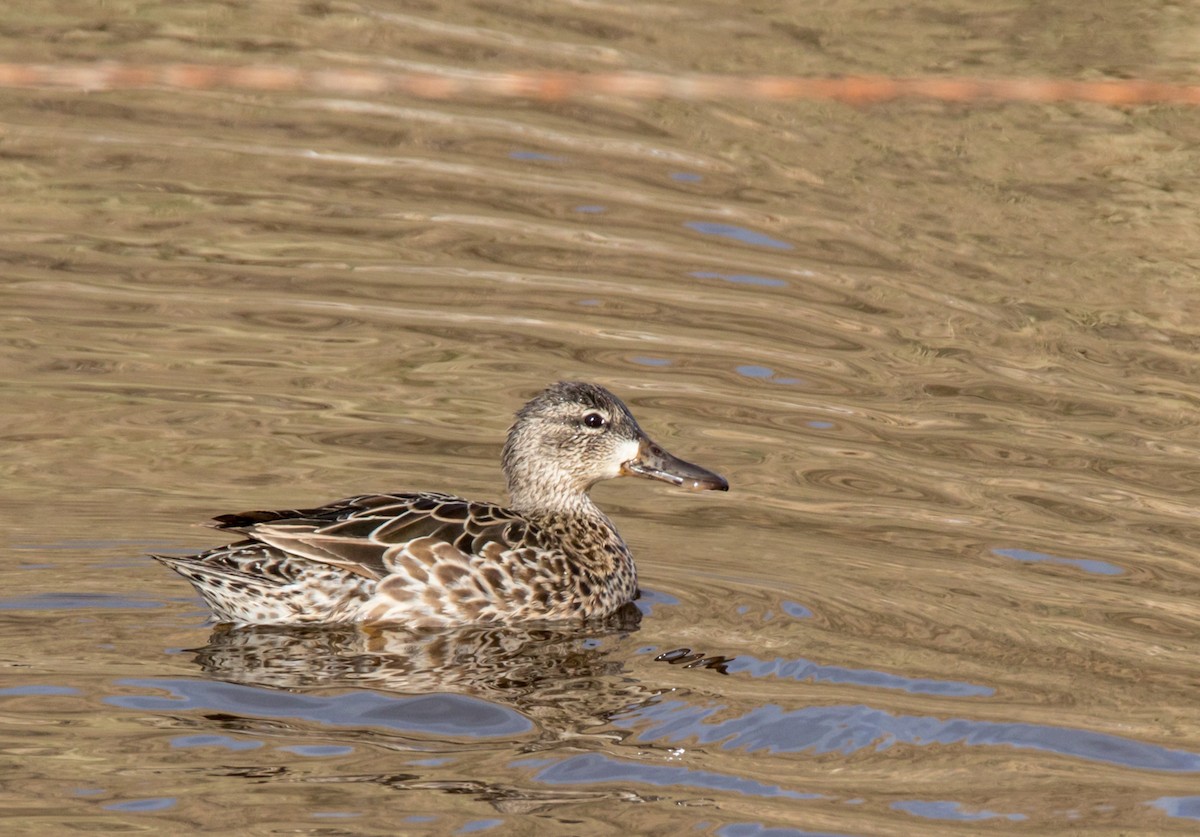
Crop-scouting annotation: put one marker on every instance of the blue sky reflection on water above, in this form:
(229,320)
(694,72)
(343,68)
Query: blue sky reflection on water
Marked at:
(765,373)
(757,829)
(760,830)
(587,768)
(1182,807)
(740,234)
(437,714)
(742,278)
(949,810)
(77,601)
(40,690)
(537,156)
(157,803)
(1088,565)
(845,729)
(807,670)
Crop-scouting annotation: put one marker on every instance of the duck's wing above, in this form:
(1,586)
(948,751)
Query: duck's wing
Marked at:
(366,535)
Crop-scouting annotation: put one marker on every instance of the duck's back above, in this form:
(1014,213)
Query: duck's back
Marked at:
(422,560)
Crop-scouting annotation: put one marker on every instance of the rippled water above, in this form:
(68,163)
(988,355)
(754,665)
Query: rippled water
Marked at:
(946,356)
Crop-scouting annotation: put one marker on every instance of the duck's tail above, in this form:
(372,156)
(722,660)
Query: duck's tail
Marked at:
(251,583)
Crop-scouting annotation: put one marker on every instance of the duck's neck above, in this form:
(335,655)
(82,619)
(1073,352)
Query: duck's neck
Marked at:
(572,516)
(550,500)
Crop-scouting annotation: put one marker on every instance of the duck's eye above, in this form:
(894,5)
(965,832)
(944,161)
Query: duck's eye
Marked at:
(594,421)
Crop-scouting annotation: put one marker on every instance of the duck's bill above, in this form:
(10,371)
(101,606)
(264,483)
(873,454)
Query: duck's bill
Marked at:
(655,463)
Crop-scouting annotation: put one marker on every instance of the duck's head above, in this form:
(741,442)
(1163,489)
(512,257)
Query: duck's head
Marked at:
(571,436)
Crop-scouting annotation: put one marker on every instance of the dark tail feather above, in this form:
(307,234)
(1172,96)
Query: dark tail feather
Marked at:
(243,520)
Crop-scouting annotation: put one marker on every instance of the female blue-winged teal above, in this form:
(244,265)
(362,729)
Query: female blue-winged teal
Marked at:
(428,560)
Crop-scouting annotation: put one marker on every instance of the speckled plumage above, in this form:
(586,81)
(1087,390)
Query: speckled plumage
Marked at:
(429,560)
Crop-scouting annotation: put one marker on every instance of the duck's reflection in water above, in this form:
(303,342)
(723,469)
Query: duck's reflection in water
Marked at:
(483,660)
(567,682)
(564,678)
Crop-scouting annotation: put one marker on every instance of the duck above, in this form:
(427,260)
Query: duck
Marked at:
(434,560)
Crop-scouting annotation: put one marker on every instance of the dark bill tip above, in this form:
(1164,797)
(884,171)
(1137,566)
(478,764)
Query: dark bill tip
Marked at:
(655,463)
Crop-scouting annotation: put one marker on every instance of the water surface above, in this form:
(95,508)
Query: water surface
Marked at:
(946,356)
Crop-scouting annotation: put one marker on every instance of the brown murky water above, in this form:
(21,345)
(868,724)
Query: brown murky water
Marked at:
(947,357)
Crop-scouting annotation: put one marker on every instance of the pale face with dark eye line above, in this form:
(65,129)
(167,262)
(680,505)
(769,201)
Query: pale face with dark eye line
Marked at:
(572,436)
